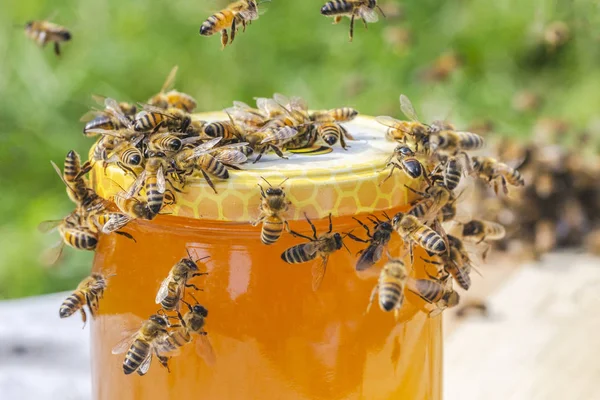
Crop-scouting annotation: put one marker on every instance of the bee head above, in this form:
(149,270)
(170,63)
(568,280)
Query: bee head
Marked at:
(135,159)
(175,145)
(452,298)
(476,162)
(190,264)
(397,218)
(386,226)
(330,139)
(404,151)
(274,192)
(471,228)
(200,310)
(159,319)
(28,25)
(338,241)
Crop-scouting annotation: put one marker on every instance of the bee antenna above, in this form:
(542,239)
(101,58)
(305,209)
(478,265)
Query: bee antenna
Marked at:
(379,8)
(192,296)
(188,253)
(186,303)
(344,244)
(263,178)
(283,181)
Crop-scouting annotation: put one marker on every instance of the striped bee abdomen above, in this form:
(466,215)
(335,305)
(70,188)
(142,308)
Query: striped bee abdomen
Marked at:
(336,7)
(271,231)
(297,254)
(137,353)
(213,166)
(391,295)
(71,304)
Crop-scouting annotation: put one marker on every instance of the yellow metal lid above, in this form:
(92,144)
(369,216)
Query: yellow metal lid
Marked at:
(342,182)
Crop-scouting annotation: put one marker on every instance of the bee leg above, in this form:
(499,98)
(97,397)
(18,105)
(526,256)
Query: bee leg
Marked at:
(224,38)
(417,192)
(278,152)
(352,27)
(394,166)
(244,24)
(412,255)
(164,361)
(209,181)
(56,48)
(83,317)
(296,234)
(365,24)
(233,30)
(127,235)
(373,293)
(193,286)
(355,238)
(363,225)
(330,224)
(259,156)
(342,140)
(337,19)
(504,185)
(312,226)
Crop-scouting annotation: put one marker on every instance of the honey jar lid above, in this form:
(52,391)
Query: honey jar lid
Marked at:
(340,182)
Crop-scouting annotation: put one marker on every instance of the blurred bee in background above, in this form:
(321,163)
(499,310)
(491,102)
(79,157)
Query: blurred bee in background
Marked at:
(406,161)
(412,231)
(479,230)
(363,9)
(43,32)
(172,98)
(556,35)
(526,101)
(318,246)
(89,292)
(341,114)
(172,288)
(192,324)
(273,208)
(143,343)
(496,173)
(412,132)
(442,68)
(240,12)
(377,241)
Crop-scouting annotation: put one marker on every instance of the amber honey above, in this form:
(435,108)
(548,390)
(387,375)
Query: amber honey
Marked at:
(273,336)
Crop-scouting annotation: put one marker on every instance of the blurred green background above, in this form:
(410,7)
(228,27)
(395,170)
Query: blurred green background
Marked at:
(124,49)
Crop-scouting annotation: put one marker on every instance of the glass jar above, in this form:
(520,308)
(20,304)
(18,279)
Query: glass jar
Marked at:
(272,335)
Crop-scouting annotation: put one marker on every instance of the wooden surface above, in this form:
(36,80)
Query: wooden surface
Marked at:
(541,341)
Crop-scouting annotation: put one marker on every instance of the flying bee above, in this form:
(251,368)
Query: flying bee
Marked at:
(390,286)
(342,114)
(496,173)
(480,230)
(151,118)
(172,98)
(450,142)
(363,9)
(192,324)
(173,286)
(318,246)
(143,343)
(200,159)
(377,241)
(89,292)
(441,295)
(228,130)
(270,139)
(412,232)
(43,32)
(240,12)
(412,131)
(272,208)
(407,162)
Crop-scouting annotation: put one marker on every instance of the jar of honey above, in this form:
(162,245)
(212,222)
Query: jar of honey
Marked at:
(272,335)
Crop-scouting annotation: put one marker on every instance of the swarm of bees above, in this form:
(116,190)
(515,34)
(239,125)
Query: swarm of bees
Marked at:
(164,148)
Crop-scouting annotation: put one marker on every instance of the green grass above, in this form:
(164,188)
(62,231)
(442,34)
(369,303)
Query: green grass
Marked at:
(124,49)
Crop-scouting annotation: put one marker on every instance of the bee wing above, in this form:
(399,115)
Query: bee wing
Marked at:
(51,255)
(145,365)
(388,121)
(241,105)
(170,80)
(283,134)
(407,108)
(163,291)
(249,15)
(318,273)
(90,115)
(123,345)
(60,174)
(49,226)
(115,222)
(269,106)
(282,100)
(205,350)
(231,156)
(113,107)
(135,186)
(298,103)
(204,148)
(370,256)
(368,14)
(160,180)
(154,109)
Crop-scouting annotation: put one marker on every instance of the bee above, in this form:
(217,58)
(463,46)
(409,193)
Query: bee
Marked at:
(151,119)
(412,131)
(164,142)
(153,178)
(251,118)
(43,32)
(199,158)
(450,142)
(103,147)
(192,324)
(270,139)
(414,232)
(377,241)
(332,132)
(73,232)
(89,292)
(173,286)
(342,114)
(455,262)
(318,246)
(435,198)
(442,296)
(478,306)
(294,108)
(408,163)
(496,173)
(390,286)
(107,118)
(363,9)
(479,230)
(143,343)
(196,128)
(127,156)
(172,98)
(272,208)
(240,12)
(228,130)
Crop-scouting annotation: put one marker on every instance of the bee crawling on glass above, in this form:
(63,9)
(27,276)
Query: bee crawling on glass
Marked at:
(363,9)
(89,292)
(377,242)
(406,161)
(318,246)
(273,208)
